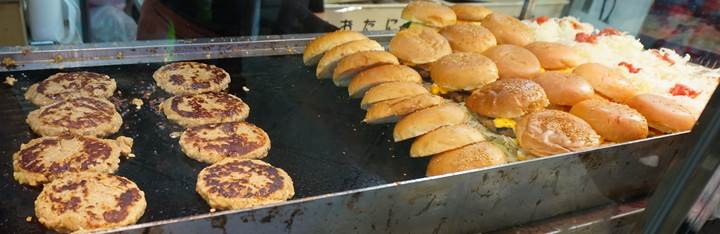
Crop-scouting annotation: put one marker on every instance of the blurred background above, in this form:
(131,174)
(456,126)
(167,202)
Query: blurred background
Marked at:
(691,26)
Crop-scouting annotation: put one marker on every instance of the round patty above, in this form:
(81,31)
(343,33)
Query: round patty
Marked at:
(237,183)
(47,158)
(191,77)
(89,201)
(81,116)
(63,86)
(197,109)
(213,142)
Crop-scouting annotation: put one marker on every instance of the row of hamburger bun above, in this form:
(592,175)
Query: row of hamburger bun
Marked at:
(544,93)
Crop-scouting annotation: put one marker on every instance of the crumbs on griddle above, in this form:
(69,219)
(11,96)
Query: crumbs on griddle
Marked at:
(10,80)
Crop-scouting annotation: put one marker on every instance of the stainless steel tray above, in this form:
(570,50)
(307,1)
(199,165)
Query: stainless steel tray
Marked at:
(349,176)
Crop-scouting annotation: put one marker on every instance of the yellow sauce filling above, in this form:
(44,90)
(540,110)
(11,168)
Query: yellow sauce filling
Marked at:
(504,123)
(435,89)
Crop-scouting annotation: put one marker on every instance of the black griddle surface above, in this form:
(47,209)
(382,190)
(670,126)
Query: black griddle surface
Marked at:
(316,133)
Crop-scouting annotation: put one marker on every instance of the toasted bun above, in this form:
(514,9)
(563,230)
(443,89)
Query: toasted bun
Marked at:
(445,139)
(564,89)
(663,113)
(468,37)
(551,132)
(351,65)
(378,75)
(478,155)
(508,30)
(514,62)
(555,56)
(391,90)
(424,121)
(606,81)
(419,46)
(468,12)
(510,98)
(428,13)
(391,110)
(329,61)
(316,48)
(614,122)
(463,71)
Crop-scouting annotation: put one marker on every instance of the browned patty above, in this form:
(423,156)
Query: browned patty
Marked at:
(213,142)
(236,183)
(205,108)
(63,86)
(82,116)
(191,77)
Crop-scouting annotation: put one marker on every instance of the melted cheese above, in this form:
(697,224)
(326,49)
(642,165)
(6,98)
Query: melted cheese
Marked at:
(504,123)
(435,89)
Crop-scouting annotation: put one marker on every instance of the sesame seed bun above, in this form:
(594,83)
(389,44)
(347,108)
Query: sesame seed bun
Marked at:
(508,29)
(429,13)
(549,132)
(419,46)
(514,62)
(317,47)
(555,56)
(463,71)
(510,98)
(468,37)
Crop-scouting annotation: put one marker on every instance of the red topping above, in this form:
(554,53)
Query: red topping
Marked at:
(541,19)
(665,57)
(584,37)
(630,67)
(609,31)
(682,90)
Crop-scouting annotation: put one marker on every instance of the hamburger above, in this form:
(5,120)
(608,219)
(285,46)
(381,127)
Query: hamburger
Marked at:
(351,65)
(423,14)
(477,155)
(391,110)
(463,71)
(606,81)
(508,29)
(612,121)
(419,46)
(468,37)
(555,56)
(470,14)
(426,120)
(510,98)
(663,113)
(445,139)
(564,89)
(378,75)
(549,132)
(317,47)
(330,59)
(391,90)
(514,61)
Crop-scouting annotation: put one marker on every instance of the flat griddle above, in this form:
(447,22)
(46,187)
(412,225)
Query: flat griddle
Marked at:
(315,130)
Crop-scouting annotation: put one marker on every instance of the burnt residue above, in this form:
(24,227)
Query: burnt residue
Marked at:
(230,105)
(271,214)
(219,222)
(218,178)
(352,202)
(427,206)
(289,222)
(439,225)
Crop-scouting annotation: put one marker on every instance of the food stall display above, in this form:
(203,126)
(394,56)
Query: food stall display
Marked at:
(466,120)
